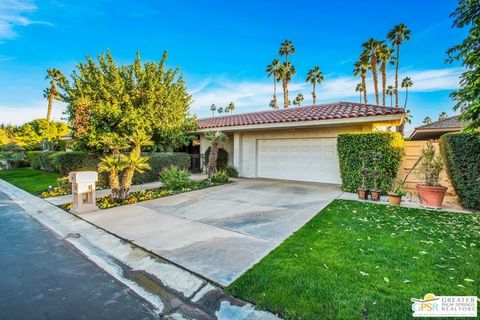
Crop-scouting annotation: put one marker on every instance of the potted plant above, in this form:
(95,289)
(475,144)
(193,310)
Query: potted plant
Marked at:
(377,174)
(430,192)
(363,190)
(396,192)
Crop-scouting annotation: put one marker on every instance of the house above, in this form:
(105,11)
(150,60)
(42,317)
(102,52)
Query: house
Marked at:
(295,143)
(434,130)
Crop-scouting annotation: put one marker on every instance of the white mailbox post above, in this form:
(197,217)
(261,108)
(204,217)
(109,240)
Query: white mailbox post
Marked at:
(83,191)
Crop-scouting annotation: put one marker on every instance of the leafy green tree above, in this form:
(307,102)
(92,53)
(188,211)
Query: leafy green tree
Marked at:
(314,76)
(397,35)
(213,108)
(272,70)
(52,93)
(371,52)
(468,96)
(104,98)
(298,100)
(39,134)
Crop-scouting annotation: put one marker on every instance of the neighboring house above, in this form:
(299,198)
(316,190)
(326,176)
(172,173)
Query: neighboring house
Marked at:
(435,130)
(295,143)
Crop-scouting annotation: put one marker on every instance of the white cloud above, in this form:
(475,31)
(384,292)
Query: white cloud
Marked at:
(21,114)
(256,95)
(13,13)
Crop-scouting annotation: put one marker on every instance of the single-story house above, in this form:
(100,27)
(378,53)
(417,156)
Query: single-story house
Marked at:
(434,130)
(295,143)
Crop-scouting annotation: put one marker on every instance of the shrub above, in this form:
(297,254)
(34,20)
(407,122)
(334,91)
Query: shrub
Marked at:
(66,162)
(222,159)
(220,177)
(232,172)
(355,146)
(12,156)
(461,154)
(160,161)
(174,178)
(430,166)
(40,160)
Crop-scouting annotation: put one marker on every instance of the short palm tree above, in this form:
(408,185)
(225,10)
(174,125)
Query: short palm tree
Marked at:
(371,51)
(139,139)
(359,89)
(218,138)
(390,91)
(385,55)
(113,165)
(286,48)
(52,93)
(406,83)
(360,69)
(314,76)
(285,74)
(397,36)
(427,120)
(298,100)
(272,70)
(442,116)
(213,108)
(132,163)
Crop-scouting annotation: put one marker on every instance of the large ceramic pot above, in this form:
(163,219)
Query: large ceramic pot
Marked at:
(431,196)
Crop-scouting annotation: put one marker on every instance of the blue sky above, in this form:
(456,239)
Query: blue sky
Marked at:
(223,47)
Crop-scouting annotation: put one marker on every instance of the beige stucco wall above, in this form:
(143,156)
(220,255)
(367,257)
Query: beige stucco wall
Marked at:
(205,143)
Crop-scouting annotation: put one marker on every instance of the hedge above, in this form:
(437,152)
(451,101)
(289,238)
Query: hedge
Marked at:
(353,146)
(40,160)
(461,154)
(158,161)
(66,162)
(222,158)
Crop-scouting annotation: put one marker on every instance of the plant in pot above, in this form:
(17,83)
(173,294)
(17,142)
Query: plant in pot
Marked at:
(396,192)
(363,190)
(430,192)
(377,175)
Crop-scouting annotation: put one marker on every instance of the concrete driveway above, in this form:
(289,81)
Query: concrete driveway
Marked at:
(219,232)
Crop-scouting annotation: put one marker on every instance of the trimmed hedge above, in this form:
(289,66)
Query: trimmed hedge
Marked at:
(222,158)
(40,160)
(66,162)
(461,154)
(159,161)
(353,146)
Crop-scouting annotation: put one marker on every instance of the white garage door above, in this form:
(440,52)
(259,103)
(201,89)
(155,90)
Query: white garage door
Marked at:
(299,159)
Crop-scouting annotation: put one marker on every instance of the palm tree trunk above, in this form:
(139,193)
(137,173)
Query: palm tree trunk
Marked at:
(364,84)
(212,161)
(375,78)
(275,92)
(53,91)
(391,100)
(314,96)
(126,183)
(114,184)
(285,94)
(396,75)
(383,68)
(360,93)
(406,97)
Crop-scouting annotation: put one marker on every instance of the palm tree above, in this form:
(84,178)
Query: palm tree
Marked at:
(272,70)
(213,108)
(220,110)
(371,51)
(359,88)
(286,48)
(406,119)
(133,163)
(113,165)
(427,120)
(406,83)
(298,100)
(139,139)
(385,54)
(360,68)
(285,73)
(218,138)
(314,76)
(390,91)
(397,36)
(442,116)
(230,108)
(52,93)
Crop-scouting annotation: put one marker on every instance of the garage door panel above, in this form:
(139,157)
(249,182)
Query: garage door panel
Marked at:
(299,159)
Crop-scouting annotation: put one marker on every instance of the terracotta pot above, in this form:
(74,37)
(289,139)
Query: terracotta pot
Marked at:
(394,199)
(375,195)
(362,193)
(431,196)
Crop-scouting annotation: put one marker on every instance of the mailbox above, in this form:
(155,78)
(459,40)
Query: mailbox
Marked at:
(83,191)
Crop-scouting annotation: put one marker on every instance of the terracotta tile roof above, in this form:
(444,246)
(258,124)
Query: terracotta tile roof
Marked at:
(452,122)
(337,110)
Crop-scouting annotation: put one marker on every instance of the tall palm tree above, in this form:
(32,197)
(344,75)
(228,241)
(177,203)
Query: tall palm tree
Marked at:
(298,100)
(230,108)
(52,93)
(285,74)
(218,138)
(220,110)
(406,119)
(286,48)
(390,91)
(371,51)
(213,108)
(272,70)
(314,76)
(360,68)
(397,36)
(442,116)
(406,83)
(385,55)
(359,88)
(427,120)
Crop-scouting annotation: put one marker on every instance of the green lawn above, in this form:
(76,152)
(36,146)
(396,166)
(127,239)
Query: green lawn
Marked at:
(33,181)
(355,256)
